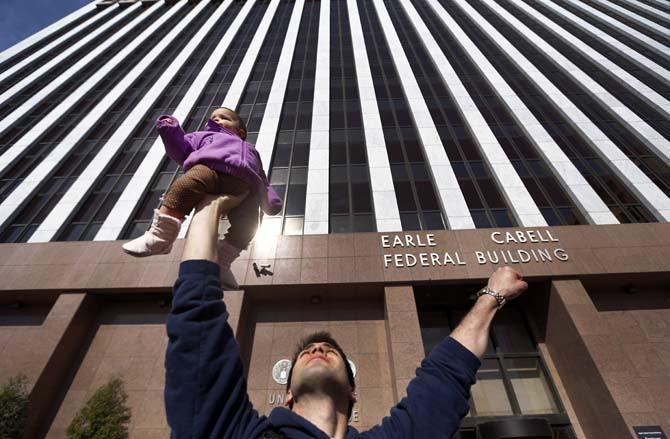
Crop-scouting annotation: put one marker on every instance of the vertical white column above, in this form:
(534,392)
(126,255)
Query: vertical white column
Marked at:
(649,194)
(36,75)
(641,60)
(270,124)
(268,130)
(624,78)
(572,181)
(18,66)
(641,129)
(450,195)
(316,201)
(613,23)
(663,4)
(387,214)
(236,89)
(87,179)
(38,36)
(642,21)
(45,123)
(522,205)
(132,194)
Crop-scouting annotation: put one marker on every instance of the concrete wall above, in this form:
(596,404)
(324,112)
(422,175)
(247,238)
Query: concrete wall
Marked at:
(340,259)
(614,358)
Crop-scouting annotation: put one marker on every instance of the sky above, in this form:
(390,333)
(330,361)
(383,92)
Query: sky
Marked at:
(21,18)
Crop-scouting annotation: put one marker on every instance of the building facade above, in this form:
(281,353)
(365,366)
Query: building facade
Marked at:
(417,146)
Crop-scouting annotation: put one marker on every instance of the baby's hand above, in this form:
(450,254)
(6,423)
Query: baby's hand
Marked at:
(168,120)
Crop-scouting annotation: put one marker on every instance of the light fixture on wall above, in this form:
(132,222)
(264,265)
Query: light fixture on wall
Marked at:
(16,305)
(629,289)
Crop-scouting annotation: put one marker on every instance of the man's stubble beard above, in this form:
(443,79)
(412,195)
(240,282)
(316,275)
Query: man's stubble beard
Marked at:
(319,380)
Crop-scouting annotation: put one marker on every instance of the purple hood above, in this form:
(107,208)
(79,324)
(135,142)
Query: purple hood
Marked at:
(221,150)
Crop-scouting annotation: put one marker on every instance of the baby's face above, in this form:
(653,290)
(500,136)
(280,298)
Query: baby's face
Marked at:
(226,119)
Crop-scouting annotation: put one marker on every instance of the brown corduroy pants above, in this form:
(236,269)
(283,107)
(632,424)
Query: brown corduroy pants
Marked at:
(189,189)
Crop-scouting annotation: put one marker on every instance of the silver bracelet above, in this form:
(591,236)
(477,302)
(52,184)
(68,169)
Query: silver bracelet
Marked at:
(496,295)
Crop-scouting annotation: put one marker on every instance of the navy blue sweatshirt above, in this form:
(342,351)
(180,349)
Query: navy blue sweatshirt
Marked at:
(206,392)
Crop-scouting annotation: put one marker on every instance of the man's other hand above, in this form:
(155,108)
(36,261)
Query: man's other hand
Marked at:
(508,282)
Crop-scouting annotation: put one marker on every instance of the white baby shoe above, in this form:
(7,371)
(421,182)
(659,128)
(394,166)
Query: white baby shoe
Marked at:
(158,239)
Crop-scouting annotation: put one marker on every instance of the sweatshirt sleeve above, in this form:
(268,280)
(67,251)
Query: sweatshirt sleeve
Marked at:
(178,145)
(205,390)
(437,398)
(271,203)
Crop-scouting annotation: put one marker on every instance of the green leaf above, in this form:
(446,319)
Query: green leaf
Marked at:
(105,415)
(13,407)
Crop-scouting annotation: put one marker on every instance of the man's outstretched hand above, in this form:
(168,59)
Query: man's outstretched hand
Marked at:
(508,282)
(222,204)
(203,234)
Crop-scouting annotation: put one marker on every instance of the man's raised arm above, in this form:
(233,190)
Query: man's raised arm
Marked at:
(473,331)
(205,390)
(437,399)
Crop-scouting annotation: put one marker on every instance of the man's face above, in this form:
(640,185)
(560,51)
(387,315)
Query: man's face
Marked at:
(227,119)
(319,367)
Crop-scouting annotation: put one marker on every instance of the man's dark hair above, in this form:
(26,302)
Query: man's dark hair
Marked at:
(322,337)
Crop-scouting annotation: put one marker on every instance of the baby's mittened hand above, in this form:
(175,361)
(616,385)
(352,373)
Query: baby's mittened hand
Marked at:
(167,121)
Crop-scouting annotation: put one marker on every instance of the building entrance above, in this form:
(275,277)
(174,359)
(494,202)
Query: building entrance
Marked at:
(513,382)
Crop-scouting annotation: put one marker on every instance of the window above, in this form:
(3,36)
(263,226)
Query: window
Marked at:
(618,134)
(408,168)
(350,192)
(474,177)
(513,379)
(291,152)
(609,188)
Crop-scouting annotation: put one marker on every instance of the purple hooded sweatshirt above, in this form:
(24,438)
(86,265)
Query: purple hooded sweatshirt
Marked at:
(221,150)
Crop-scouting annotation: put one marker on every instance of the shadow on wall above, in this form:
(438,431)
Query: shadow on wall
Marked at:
(630,292)
(25,309)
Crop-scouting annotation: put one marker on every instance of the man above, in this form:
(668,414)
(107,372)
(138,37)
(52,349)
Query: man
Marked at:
(205,391)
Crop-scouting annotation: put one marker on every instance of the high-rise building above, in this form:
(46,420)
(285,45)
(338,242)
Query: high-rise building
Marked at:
(417,145)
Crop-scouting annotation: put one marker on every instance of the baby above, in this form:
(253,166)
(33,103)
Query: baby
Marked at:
(216,161)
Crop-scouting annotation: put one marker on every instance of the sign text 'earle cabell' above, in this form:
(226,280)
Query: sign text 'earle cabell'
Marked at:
(433,256)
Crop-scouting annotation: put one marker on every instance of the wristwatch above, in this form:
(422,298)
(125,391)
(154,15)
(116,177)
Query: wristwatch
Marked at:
(496,295)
